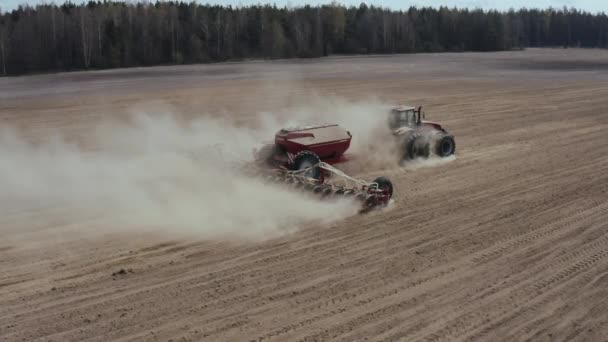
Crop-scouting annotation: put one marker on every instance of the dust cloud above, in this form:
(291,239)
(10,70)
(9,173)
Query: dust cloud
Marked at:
(160,172)
(154,173)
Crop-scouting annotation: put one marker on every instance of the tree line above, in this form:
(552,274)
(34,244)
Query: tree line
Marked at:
(107,34)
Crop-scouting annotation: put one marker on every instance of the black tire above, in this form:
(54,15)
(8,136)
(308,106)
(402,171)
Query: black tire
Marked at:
(385,184)
(307,159)
(417,146)
(446,146)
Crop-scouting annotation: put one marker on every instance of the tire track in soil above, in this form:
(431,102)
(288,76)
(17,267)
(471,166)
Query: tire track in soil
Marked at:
(479,315)
(524,292)
(532,319)
(436,275)
(475,265)
(475,311)
(550,290)
(374,275)
(535,234)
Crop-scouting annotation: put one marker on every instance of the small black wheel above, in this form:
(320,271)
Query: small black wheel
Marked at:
(446,146)
(307,160)
(385,184)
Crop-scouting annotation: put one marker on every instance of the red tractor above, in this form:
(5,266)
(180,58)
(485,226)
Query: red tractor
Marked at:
(304,156)
(417,137)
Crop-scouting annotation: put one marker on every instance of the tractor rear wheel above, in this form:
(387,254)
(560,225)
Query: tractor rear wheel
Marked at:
(307,160)
(417,146)
(446,146)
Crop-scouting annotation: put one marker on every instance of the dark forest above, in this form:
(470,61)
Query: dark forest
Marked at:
(104,34)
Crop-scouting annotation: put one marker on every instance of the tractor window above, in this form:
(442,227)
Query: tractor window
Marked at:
(411,117)
(403,118)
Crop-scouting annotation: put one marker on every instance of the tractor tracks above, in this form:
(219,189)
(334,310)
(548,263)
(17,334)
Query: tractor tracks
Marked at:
(505,291)
(406,295)
(530,236)
(526,299)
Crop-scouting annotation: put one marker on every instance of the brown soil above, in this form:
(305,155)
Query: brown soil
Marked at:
(508,242)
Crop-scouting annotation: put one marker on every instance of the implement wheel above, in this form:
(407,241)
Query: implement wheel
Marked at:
(308,161)
(386,185)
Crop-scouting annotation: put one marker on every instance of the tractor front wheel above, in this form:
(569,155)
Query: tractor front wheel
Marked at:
(446,146)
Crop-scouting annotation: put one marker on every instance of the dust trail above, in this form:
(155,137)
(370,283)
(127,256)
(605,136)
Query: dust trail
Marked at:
(152,174)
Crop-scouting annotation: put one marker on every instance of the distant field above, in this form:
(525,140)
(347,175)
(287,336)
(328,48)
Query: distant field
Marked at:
(507,242)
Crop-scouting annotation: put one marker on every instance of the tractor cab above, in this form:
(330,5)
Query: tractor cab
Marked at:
(405,116)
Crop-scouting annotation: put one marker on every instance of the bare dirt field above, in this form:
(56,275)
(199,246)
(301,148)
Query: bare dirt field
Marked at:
(508,242)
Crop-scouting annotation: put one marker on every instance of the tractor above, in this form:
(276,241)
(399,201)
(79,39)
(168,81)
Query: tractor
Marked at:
(418,138)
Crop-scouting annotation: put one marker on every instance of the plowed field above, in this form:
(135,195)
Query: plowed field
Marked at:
(507,242)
